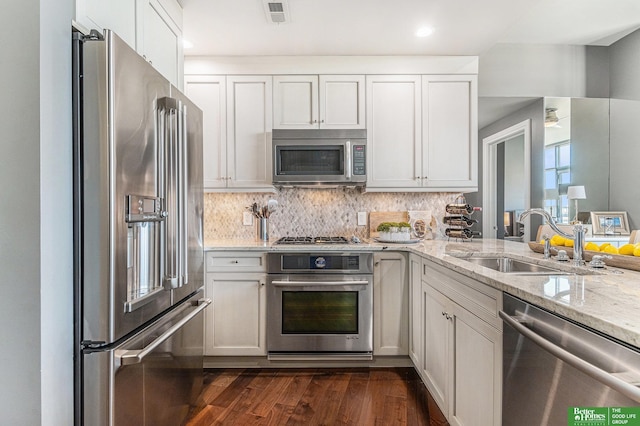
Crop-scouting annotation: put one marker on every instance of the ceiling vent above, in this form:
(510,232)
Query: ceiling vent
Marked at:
(277,11)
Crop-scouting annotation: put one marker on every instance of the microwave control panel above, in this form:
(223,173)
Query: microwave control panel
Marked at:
(359,159)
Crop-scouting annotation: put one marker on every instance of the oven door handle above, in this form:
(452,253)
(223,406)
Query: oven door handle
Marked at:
(625,388)
(314,283)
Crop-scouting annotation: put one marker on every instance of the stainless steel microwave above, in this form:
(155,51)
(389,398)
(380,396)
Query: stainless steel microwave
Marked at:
(317,157)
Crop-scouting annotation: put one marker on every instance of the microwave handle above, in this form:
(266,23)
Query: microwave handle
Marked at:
(347,160)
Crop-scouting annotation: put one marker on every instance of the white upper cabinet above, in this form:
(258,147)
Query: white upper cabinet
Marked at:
(249,124)
(394,127)
(152,27)
(210,94)
(116,15)
(318,102)
(422,133)
(236,134)
(159,37)
(450,132)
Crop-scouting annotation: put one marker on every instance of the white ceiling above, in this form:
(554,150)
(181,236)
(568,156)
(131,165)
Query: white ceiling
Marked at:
(380,27)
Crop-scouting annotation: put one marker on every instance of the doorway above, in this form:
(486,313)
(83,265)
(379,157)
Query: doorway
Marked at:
(506,180)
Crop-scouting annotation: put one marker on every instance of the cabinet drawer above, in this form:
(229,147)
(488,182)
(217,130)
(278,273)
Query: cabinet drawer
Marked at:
(476,297)
(235,262)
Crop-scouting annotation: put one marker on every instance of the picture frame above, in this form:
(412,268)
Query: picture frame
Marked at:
(610,223)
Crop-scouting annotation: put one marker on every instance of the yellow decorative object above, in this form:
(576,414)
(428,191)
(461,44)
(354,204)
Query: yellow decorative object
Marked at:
(591,246)
(636,251)
(611,249)
(568,242)
(627,249)
(604,245)
(557,240)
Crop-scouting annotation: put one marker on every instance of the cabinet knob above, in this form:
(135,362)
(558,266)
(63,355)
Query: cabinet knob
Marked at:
(322,121)
(235,261)
(376,264)
(262,284)
(417,178)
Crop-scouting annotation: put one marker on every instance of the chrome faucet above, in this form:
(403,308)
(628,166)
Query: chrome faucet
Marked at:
(577,237)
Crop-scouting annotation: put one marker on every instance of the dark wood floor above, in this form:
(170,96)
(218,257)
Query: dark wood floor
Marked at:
(393,396)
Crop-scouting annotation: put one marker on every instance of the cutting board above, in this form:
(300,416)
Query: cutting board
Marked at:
(376,218)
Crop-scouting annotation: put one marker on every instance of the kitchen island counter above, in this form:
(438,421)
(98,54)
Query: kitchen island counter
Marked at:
(605,301)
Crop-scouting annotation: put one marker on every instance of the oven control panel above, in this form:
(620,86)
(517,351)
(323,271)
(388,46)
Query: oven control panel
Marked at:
(320,262)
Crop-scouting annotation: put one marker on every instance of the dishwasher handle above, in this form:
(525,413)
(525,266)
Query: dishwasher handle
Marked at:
(129,357)
(625,388)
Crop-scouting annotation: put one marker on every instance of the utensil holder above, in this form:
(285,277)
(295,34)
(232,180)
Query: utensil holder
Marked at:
(262,229)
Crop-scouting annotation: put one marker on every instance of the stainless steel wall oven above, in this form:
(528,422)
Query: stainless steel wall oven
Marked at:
(319,305)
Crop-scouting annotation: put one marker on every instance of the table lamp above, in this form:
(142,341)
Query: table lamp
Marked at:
(576,193)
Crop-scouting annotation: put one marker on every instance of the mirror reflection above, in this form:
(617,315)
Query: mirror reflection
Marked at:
(576,157)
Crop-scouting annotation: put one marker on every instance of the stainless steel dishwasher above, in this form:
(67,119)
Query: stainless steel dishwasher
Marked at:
(551,364)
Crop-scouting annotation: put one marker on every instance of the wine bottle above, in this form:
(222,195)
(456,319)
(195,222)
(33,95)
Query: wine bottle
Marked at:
(459,220)
(464,234)
(457,208)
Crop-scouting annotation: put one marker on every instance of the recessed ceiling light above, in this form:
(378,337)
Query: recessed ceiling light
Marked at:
(186,44)
(424,32)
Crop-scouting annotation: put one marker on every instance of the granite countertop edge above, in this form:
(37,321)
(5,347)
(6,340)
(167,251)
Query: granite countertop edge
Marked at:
(605,301)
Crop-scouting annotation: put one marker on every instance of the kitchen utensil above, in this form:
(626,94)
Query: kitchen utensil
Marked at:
(272,205)
(262,229)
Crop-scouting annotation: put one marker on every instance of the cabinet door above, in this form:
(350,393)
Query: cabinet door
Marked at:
(159,37)
(342,102)
(476,398)
(393,131)
(209,94)
(235,324)
(295,101)
(437,344)
(450,132)
(116,15)
(390,304)
(415,311)
(249,131)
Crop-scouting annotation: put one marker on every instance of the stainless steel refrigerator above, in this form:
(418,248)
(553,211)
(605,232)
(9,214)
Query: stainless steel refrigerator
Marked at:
(138,240)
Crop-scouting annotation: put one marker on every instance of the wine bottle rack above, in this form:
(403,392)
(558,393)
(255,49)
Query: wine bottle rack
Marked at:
(458,220)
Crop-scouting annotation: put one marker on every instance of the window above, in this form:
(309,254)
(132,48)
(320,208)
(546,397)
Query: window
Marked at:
(557,176)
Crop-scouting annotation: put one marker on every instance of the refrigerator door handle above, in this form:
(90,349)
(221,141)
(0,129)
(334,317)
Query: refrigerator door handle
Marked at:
(183,183)
(129,357)
(169,186)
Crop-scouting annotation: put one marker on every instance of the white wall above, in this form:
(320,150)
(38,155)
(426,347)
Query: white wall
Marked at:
(625,127)
(533,70)
(35,219)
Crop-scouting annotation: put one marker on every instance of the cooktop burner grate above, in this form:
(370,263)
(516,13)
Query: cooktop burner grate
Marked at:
(312,240)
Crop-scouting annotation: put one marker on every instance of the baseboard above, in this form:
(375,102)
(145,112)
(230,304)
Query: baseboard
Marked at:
(263,362)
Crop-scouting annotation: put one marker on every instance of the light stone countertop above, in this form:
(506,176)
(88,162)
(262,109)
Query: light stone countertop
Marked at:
(605,301)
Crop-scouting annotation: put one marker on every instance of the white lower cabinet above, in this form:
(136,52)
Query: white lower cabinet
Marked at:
(415,310)
(235,324)
(462,347)
(390,304)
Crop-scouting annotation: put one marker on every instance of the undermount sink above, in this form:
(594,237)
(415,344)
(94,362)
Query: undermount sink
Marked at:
(508,265)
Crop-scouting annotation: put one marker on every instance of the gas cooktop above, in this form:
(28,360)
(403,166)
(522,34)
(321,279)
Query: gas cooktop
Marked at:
(312,240)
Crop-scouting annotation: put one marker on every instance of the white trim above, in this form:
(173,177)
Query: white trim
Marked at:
(331,65)
(489,145)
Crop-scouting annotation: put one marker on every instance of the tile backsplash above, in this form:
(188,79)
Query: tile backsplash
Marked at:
(313,212)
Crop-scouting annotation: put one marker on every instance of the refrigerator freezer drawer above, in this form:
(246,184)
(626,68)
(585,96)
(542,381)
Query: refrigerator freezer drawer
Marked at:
(152,378)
